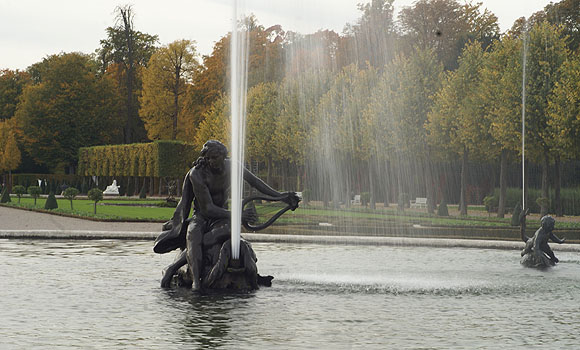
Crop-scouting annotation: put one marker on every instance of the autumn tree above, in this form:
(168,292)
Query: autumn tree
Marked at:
(379,124)
(446,26)
(265,64)
(165,82)
(547,51)
(10,155)
(566,13)
(340,131)
(313,54)
(69,107)
(209,82)
(12,84)
(215,124)
(419,78)
(564,118)
(372,38)
(263,112)
(266,59)
(500,92)
(130,50)
(299,95)
(456,124)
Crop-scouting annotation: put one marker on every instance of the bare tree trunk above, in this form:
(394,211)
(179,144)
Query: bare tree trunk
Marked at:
(284,175)
(463,195)
(126,15)
(347,194)
(545,194)
(429,186)
(372,199)
(502,184)
(558,185)
(400,200)
(269,173)
(298,178)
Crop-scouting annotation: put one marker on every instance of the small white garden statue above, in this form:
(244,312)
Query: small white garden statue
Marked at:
(112,189)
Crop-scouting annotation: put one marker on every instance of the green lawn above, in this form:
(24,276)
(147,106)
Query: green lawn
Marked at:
(303,215)
(85,208)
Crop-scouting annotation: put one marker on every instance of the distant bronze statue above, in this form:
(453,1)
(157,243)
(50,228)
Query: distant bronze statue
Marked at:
(204,239)
(537,252)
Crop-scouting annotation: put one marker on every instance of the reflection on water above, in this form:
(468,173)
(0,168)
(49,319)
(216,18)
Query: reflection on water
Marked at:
(105,295)
(204,320)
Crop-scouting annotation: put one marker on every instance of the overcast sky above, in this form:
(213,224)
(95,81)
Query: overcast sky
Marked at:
(33,29)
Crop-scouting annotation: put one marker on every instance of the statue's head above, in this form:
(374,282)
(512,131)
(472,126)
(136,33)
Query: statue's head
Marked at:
(214,146)
(214,153)
(548,222)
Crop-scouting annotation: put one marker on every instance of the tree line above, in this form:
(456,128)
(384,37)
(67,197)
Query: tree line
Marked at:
(384,104)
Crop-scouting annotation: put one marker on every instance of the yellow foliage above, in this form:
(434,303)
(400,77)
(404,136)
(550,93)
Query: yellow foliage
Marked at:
(215,125)
(165,82)
(10,156)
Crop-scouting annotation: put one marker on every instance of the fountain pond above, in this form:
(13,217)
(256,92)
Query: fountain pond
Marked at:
(105,294)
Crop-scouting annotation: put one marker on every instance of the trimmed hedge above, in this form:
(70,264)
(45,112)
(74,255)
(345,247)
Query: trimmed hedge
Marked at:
(570,200)
(155,159)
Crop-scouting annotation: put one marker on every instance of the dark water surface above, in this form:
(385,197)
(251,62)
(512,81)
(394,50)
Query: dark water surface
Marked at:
(105,295)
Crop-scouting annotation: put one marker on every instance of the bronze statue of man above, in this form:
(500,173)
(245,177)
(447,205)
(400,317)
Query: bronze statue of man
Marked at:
(206,186)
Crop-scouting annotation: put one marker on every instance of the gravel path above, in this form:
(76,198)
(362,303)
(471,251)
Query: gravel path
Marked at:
(18,219)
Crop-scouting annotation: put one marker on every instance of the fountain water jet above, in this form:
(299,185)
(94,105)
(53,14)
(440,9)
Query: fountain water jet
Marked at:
(238,85)
(525,48)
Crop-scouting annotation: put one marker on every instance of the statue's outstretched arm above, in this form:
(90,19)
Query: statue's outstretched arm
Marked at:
(260,185)
(555,238)
(289,198)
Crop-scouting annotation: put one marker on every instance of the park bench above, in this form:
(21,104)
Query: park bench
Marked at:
(419,203)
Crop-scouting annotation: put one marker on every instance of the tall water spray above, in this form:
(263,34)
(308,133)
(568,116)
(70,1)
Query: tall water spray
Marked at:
(525,49)
(239,74)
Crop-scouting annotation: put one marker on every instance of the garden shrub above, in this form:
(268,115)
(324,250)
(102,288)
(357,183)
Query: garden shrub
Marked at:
(442,209)
(51,202)
(5,196)
(489,202)
(34,192)
(18,190)
(95,195)
(70,194)
(365,198)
